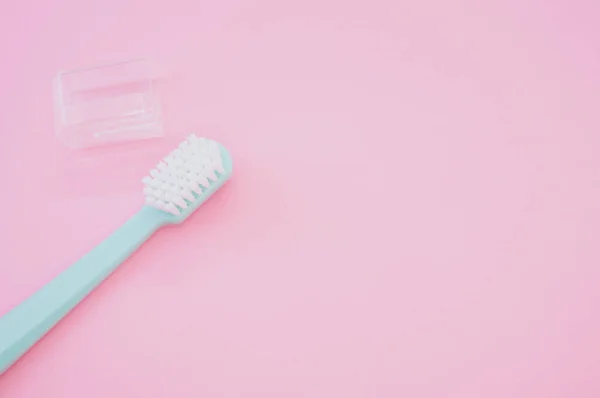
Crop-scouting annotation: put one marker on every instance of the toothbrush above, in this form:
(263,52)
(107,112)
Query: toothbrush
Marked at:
(178,185)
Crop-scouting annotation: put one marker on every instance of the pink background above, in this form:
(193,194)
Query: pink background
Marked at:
(415,210)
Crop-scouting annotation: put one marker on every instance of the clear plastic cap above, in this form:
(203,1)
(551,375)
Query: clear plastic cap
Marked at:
(107,104)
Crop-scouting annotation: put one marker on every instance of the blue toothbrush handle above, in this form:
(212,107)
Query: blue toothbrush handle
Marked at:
(29,321)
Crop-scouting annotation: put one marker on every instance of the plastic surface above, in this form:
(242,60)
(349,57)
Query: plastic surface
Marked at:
(24,325)
(28,322)
(107,104)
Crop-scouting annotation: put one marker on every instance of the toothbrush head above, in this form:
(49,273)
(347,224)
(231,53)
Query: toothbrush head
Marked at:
(187,177)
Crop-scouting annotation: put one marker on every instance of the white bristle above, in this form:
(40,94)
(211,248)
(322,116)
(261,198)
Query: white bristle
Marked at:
(210,173)
(213,148)
(178,200)
(186,193)
(162,166)
(182,177)
(202,180)
(195,187)
(158,194)
(174,189)
(192,166)
(171,208)
(166,178)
